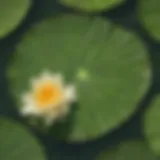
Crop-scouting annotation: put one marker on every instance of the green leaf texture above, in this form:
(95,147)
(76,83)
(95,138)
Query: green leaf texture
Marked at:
(108,65)
(12,12)
(16,143)
(151,125)
(133,150)
(92,5)
(149,14)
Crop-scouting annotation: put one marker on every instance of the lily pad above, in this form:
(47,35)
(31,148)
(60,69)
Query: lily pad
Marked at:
(16,142)
(151,125)
(108,65)
(92,5)
(149,14)
(12,13)
(128,151)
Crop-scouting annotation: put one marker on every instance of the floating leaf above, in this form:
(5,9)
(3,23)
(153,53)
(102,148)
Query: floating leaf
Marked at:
(108,65)
(91,5)
(151,125)
(17,144)
(149,14)
(128,151)
(12,13)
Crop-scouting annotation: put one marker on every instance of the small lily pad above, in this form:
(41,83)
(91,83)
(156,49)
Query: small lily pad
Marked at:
(133,150)
(151,125)
(16,143)
(91,5)
(108,65)
(149,14)
(12,13)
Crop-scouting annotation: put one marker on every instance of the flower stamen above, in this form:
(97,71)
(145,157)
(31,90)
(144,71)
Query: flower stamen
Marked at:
(47,94)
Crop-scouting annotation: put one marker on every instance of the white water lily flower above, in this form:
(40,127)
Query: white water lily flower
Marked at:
(48,98)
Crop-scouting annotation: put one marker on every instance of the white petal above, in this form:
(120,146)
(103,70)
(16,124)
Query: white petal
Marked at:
(47,75)
(58,79)
(28,105)
(56,115)
(26,98)
(43,77)
(35,83)
(70,93)
(29,110)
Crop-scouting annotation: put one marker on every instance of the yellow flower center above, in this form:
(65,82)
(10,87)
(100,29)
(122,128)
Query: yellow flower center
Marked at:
(48,94)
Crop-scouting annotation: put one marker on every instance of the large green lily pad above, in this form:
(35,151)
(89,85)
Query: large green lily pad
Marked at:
(16,143)
(108,65)
(128,151)
(149,14)
(91,5)
(12,13)
(151,125)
